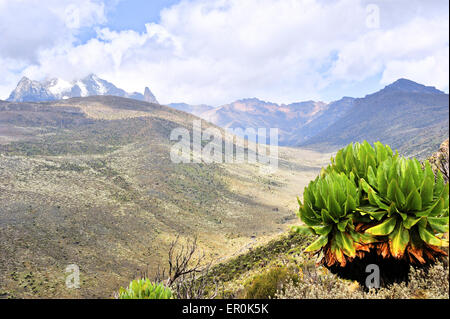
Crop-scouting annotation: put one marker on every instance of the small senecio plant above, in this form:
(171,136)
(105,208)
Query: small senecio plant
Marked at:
(145,289)
(371,199)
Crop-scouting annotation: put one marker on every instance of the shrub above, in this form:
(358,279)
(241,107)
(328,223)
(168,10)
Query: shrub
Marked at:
(429,283)
(145,289)
(266,285)
(369,198)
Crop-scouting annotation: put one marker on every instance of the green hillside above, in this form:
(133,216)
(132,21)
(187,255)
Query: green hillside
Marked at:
(89,181)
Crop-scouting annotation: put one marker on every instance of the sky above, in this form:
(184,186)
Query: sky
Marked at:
(217,51)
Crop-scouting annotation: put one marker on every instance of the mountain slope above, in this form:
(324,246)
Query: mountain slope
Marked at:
(405,115)
(89,181)
(331,114)
(57,89)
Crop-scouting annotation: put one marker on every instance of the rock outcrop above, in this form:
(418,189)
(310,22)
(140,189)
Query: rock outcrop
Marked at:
(149,97)
(439,160)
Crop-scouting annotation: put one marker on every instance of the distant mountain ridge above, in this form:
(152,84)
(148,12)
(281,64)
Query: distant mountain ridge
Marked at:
(296,122)
(407,115)
(58,89)
(254,113)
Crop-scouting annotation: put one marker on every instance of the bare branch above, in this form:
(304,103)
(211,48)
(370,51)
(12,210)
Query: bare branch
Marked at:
(185,274)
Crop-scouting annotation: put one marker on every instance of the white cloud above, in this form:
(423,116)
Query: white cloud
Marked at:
(9,75)
(214,51)
(27,27)
(396,51)
(432,70)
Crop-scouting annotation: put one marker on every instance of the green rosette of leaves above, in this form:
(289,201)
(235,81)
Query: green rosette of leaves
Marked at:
(411,205)
(370,198)
(328,209)
(145,289)
(356,158)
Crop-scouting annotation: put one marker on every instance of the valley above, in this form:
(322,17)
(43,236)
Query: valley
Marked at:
(89,181)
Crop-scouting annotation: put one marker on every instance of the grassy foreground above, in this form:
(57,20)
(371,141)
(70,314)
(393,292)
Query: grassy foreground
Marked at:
(280,269)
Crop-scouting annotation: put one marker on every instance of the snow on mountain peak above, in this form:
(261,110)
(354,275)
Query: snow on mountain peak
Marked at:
(58,86)
(56,89)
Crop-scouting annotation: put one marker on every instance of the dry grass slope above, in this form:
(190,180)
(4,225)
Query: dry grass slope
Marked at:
(89,181)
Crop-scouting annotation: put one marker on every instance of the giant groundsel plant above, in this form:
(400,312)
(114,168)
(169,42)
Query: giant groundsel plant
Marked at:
(412,208)
(370,199)
(357,158)
(145,289)
(329,206)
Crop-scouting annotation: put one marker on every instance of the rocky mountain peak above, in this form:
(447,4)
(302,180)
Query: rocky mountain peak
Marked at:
(149,97)
(57,89)
(24,80)
(405,85)
(30,91)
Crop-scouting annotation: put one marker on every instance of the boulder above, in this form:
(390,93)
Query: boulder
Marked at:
(439,160)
